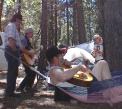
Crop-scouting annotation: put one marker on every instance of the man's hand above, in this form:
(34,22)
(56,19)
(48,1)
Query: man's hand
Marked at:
(12,43)
(32,53)
(66,62)
(84,68)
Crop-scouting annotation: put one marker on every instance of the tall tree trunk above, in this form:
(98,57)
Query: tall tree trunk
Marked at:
(100,6)
(51,33)
(44,24)
(44,33)
(101,22)
(112,30)
(79,32)
(67,15)
(75,28)
(81,23)
(56,28)
(1,7)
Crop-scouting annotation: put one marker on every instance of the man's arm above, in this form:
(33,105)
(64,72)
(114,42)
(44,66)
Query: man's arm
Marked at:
(24,50)
(62,76)
(10,31)
(29,53)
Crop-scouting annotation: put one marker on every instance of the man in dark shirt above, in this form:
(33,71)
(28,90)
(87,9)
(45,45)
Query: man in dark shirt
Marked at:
(28,81)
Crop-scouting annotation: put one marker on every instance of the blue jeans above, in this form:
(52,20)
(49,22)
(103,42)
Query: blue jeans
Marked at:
(12,58)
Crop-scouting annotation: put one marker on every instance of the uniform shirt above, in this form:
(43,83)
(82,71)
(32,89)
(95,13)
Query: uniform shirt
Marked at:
(11,31)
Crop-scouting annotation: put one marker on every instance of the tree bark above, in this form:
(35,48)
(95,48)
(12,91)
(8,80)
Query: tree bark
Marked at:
(56,28)
(112,30)
(75,27)
(44,34)
(44,24)
(79,32)
(51,24)
(67,15)
(80,22)
(1,8)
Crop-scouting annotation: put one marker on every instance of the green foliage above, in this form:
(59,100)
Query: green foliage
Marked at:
(90,14)
(31,11)
(9,2)
(8,7)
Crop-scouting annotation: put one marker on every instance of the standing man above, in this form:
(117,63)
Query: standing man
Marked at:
(28,81)
(12,52)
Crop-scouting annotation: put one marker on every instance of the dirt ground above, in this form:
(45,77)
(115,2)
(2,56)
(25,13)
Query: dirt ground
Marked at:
(41,99)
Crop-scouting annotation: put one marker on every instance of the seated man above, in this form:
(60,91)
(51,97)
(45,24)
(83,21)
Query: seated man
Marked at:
(58,75)
(98,47)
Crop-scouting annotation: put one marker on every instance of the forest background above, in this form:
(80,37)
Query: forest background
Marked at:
(70,22)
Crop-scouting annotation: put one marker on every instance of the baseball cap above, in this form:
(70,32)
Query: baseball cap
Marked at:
(96,36)
(29,30)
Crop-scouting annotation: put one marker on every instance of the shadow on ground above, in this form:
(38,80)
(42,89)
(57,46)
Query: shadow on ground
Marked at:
(43,99)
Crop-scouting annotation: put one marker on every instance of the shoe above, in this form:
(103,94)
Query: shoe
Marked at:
(20,90)
(12,95)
